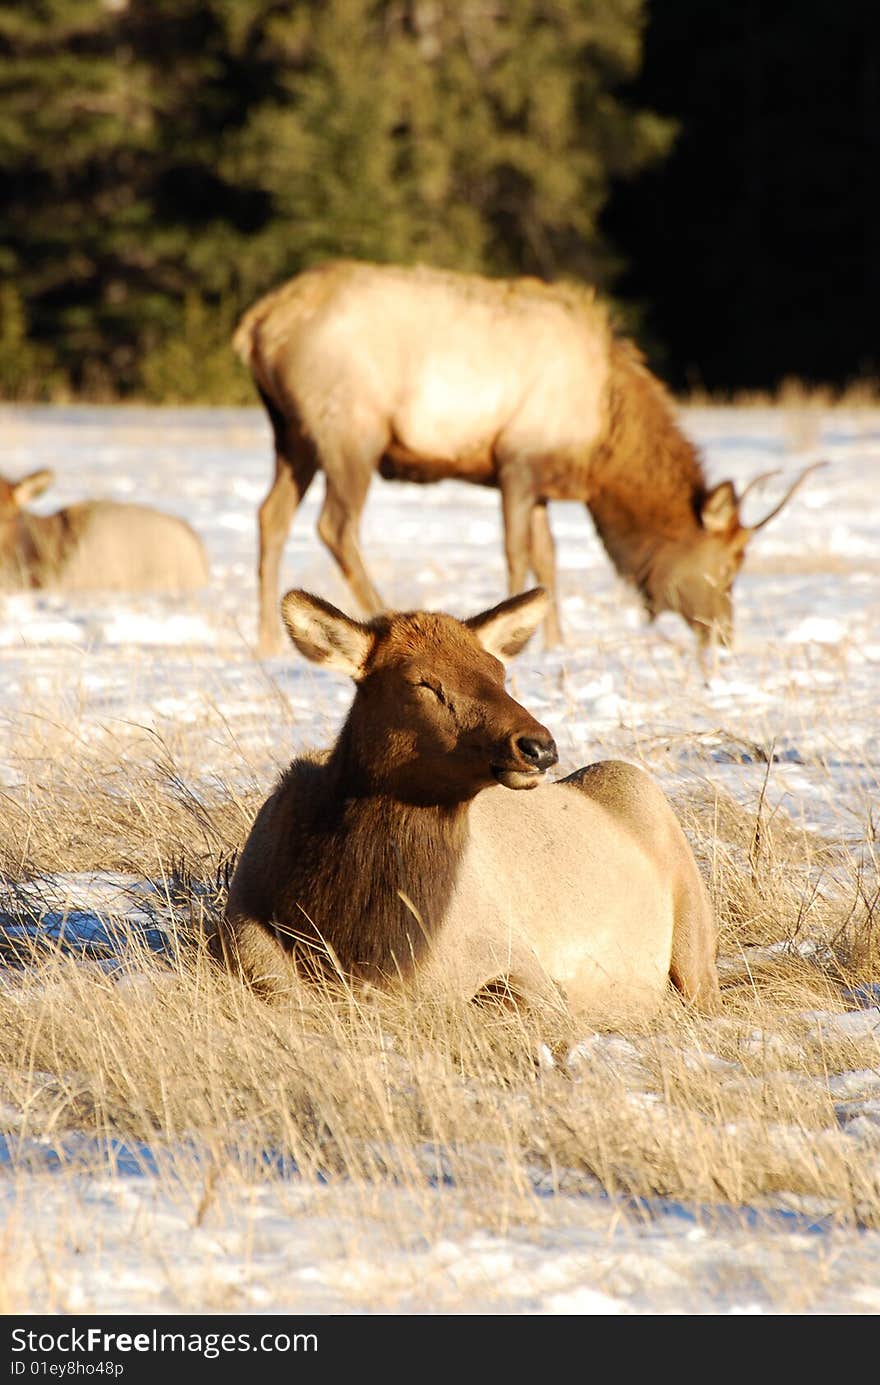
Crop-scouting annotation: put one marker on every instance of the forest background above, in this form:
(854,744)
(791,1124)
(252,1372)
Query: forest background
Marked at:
(713,169)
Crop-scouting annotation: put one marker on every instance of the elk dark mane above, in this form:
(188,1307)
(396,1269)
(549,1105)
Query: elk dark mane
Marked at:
(364,875)
(647,481)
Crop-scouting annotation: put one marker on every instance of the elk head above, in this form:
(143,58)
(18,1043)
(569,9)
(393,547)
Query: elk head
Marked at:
(694,576)
(17,549)
(15,495)
(431,720)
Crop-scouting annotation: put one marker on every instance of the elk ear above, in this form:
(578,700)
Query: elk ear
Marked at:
(720,509)
(325,635)
(29,487)
(509,626)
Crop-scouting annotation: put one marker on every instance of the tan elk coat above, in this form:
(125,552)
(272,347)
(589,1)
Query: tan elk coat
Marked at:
(425,850)
(94,545)
(424,374)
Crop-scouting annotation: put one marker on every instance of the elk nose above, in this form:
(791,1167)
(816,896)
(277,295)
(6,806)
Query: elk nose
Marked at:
(539,753)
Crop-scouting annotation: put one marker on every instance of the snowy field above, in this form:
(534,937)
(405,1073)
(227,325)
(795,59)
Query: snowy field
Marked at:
(792,714)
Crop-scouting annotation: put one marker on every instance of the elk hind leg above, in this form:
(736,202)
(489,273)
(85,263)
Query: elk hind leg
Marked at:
(295,466)
(693,969)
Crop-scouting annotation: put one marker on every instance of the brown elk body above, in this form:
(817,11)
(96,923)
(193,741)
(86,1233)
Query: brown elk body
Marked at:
(94,545)
(425,375)
(411,854)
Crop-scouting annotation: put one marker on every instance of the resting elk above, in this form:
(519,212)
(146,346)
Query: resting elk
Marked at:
(517,384)
(95,544)
(425,851)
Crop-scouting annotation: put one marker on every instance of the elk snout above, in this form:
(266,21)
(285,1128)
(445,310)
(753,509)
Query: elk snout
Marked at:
(530,756)
(539,753)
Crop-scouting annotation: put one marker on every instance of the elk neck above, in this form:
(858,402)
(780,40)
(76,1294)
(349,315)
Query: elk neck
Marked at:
(647,482)
(34,545)
(368,872)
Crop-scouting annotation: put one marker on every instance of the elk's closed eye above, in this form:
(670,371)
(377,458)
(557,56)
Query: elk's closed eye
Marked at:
(434,688)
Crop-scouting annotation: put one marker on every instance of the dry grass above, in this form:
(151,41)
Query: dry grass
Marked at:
(793,393)
(220,1087)
(802,407)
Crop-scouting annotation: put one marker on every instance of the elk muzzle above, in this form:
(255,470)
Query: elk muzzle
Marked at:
(530,756)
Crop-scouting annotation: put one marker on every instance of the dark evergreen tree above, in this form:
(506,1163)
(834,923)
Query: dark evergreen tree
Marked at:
(164,161)
(77,142)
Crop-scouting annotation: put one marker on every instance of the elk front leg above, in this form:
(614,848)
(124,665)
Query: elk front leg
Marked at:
(294,469)
(517,501)
(544,567)
(338,527)
(249,951)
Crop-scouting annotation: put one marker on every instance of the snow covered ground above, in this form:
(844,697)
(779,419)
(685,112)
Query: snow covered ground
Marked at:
(802,688)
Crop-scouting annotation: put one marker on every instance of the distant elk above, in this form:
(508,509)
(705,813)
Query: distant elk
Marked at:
(94,544)
(410,855)
(423,375)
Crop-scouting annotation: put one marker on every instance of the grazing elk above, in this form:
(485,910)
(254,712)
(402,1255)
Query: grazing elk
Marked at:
(95,544)
(401,857)
(517,384)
